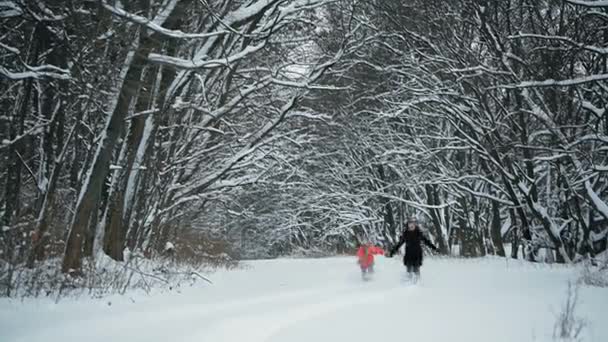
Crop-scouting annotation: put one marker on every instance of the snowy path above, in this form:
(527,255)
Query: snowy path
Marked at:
(325,300)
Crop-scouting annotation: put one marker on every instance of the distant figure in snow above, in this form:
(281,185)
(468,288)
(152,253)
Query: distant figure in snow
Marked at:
(412,237)
(365,257)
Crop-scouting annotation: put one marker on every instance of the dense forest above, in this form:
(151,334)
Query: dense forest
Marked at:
(261,128)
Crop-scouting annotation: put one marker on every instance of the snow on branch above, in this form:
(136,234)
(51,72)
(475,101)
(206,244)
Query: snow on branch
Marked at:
(598,112)
(547,220)
(204,64)
(484,195)
(269,126)
(230,105)
(589,137)
(598,203)
(305,85)
(36,72)
(9,48)
(589,3)
(142,113)
(193,192)
(595,49)
(555,83)
(600,168)
(33,131)
(165,12)
(247,12)
(308,115)
(9,9)
(414,204)
(155,26)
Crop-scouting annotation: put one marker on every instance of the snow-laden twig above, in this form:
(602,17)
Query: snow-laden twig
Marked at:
(205,64)
(598,112)
(155,25)
(555,83)
(36,72)
(591,48)
(34,130)
(10,49)
(200,276)
(9,9)
(589,3)
(599,204)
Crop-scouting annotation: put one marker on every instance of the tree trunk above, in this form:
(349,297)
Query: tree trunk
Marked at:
(433,199)
(541,213)
(15,150)
(467,245)
(495,232)
(389,218)
(515,231)
(53,160)
(98,171)
(117,220)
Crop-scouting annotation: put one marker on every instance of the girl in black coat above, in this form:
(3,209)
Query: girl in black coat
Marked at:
(413,238)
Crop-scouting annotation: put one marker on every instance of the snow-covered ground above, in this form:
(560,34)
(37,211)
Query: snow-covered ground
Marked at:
(292,300)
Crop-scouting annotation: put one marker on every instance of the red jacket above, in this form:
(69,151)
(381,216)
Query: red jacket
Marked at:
(366,254)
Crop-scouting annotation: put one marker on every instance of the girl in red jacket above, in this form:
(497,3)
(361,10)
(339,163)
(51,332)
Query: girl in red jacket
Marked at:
(365,256)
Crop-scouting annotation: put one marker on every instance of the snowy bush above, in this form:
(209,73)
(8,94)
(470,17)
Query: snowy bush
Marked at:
(179,263)
(568,326)
(310,253)
(595,272)
(196,249)
(103,277)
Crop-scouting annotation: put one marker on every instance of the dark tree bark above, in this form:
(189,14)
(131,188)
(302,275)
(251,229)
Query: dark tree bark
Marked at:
(496,230)
(433,199)
(91,192)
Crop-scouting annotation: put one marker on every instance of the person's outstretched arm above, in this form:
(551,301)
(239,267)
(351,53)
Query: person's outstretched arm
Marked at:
(377,250)
(397,246)
(427,242)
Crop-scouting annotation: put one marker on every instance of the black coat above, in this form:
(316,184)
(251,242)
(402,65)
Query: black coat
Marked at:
(413,246)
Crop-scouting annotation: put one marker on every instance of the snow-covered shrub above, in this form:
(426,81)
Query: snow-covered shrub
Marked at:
(103,276)
(195,248)
(568,325)
(181,261)
(595,272)
(301,252)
